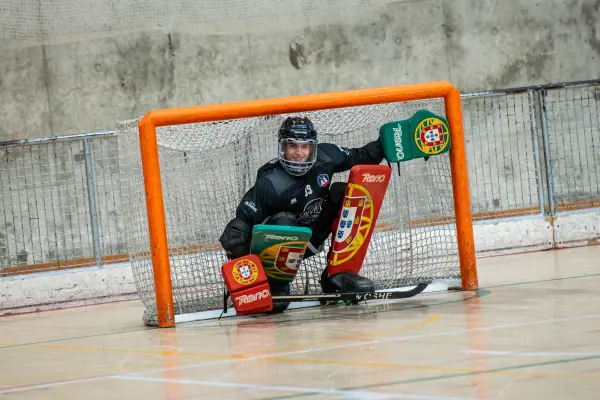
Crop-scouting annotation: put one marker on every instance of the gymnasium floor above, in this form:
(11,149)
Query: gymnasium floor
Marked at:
(531,332)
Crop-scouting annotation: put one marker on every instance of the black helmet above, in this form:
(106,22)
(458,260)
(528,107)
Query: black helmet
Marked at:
(300,128)
(297,131)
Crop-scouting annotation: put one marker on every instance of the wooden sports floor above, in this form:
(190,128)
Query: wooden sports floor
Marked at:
(531,332)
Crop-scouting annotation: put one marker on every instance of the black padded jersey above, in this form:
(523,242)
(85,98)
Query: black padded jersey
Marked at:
(303,196)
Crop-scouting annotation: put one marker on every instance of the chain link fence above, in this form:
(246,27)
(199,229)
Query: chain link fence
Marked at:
(532,152)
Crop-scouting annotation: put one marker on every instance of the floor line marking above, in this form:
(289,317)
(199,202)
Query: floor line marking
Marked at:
(431,319)
(441,377)
(437,334)
(326,348)
(346,394)
(433,368)
(138,351)
(535,353)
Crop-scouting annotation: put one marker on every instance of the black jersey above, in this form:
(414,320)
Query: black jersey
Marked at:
(303,196)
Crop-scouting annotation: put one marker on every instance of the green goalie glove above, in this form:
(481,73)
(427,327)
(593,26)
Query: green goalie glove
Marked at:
(423,135)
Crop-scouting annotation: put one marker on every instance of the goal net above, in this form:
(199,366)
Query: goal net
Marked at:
(205,169)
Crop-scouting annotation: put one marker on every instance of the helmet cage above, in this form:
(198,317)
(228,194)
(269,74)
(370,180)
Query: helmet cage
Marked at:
(297,168)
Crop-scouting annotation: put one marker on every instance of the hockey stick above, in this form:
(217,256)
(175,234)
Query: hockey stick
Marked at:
(354,297)
(348,298)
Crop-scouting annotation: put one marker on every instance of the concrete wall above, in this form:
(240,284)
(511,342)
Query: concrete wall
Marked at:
(87,85)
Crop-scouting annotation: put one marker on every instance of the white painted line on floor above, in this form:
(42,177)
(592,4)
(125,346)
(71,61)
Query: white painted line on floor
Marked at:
(535,353)
(344,394)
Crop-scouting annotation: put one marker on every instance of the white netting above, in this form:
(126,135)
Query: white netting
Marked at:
(206,169)
(27,22)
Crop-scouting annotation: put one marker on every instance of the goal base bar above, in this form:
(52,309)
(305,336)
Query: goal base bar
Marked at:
(440,285)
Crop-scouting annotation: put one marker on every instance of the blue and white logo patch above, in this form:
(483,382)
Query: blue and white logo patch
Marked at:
(323,180)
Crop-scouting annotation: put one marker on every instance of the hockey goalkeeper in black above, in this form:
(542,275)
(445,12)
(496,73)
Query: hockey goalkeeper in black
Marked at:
(295,189)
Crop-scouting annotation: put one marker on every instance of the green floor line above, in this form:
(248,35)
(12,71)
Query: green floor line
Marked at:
(541,281)
(446,376)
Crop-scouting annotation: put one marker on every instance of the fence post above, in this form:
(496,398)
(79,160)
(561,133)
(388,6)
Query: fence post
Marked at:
(91,185)
(533,99)
(541,94)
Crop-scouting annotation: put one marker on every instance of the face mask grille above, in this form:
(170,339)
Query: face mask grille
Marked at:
(297,168)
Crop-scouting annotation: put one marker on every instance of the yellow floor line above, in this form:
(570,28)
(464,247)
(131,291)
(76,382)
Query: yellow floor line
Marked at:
(430,368)
(152,352)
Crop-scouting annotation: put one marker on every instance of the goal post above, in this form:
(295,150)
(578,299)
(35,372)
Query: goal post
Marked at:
(218,116)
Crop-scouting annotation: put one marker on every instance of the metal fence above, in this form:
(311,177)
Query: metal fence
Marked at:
(60,204)
(503,154)
(571,120)
(531,152)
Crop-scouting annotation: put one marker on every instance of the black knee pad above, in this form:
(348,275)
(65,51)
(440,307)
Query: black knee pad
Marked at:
(282,218)
(236,238)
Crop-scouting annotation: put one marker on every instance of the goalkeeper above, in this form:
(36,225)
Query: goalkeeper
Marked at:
(295,189)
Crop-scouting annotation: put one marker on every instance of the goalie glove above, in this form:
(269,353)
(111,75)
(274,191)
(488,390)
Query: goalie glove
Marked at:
(246,280)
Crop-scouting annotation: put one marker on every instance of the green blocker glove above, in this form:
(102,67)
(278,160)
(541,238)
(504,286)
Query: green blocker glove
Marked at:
(423,135)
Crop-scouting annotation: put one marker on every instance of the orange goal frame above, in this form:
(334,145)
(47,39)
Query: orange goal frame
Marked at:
(255,108)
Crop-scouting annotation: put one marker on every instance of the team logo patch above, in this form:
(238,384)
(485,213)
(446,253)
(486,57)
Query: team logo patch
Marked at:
(288,259)
(431,136)
(281,261)
(311,211)
(245,272)
(323,180)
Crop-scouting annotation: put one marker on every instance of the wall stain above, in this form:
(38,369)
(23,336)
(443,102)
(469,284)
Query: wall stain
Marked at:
(591,14)
(145,66)
(206,60)
(532,64)
(296,55)
(338,44)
